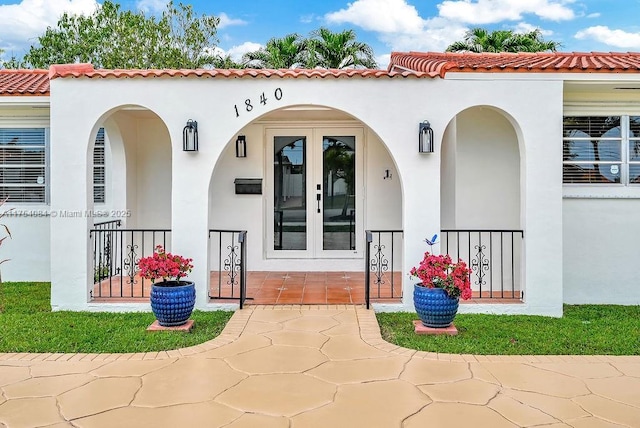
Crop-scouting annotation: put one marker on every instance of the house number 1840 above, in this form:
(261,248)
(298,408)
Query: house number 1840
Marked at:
(248,105)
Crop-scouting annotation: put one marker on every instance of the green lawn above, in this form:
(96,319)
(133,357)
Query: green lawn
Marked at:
(583,330)
(28,325)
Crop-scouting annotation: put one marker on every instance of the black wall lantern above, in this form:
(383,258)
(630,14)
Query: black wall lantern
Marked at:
(425,138)
(190,136)
(241,147)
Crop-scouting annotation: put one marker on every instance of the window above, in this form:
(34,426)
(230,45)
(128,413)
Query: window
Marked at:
(601,150)
(99,168)
(23,164)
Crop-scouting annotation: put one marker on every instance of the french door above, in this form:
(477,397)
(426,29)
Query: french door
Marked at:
(314,197)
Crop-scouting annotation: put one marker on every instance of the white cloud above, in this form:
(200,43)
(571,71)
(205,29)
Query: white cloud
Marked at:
(399,25)
(524,27)
(594,15)
(386,16)
(479,12)
(153,6)
(226,21)
(22,23)
(236,52)
(383,61)
(608,36)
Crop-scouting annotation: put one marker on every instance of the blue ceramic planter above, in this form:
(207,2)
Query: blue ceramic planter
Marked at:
(172,302)
(434,306)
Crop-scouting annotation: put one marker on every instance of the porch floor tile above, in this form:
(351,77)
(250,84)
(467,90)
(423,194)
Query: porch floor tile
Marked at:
(276,288)
(308,288)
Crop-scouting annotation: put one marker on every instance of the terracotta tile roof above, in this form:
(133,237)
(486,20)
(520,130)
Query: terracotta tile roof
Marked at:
(87,70)
(24,82)
(438,64)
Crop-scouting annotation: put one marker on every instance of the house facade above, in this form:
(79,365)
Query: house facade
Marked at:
(531,179)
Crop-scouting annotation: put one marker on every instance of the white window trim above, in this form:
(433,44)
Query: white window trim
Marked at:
(30,123)
(622,190)
(104,168)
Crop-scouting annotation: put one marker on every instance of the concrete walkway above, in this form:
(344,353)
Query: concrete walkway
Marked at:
(309,366)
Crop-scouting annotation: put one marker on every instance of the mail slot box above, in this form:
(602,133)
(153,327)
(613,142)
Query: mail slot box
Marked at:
(248,186)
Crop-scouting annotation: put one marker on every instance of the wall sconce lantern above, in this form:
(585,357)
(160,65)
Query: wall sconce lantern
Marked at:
(190,136)
(425,138)
(241,147)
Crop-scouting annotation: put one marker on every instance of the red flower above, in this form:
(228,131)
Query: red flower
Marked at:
(440,272)
(164,265)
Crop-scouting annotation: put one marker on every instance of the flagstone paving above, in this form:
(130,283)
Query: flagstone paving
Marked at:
(315,366)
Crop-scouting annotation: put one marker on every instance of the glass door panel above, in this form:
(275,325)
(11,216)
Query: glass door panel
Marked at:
(290,193)
(338,192)
(314,193)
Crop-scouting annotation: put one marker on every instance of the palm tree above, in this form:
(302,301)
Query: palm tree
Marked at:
(481,40)
(286,52)
(338,50)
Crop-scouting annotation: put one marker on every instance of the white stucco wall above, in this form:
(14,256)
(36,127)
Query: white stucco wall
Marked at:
(27,250)
(448,177)
(391,108)
(383,198)
(487,169)
(601,251)
(153,175)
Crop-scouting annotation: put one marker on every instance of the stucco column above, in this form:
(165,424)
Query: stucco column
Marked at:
(421,214)
(189,216)
(543,215)
(71,271)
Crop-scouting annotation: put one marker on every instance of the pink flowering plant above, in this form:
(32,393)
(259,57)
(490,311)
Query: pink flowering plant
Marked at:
(438,271)
(169,267)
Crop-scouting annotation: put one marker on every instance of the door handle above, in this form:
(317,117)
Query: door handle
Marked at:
(318,198)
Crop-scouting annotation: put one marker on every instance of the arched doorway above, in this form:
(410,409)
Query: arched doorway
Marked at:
(322,183)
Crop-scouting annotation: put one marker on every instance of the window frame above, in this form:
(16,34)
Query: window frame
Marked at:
(99,150)
(623,189)
(45,165)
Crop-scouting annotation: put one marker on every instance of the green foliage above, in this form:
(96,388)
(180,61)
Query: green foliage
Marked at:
(284,52)
(13,63)
(113,38)
(324,49)
(480,40)
(100,272)
(339,50)
(583,330)
(28,325)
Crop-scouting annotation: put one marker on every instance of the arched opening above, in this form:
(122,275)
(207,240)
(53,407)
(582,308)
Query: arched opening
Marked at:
(481,200)
(131,189)
(318,178)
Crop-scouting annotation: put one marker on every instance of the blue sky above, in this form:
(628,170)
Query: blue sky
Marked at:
(387,25)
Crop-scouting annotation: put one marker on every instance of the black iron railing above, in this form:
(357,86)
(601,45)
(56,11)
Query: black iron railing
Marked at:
(107,225)
(382,277)
(228,252)
(116,253)
(495,259)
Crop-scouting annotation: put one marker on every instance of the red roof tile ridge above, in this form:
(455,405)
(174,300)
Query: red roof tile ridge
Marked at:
(60,70)
(534,62)
(89,72)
